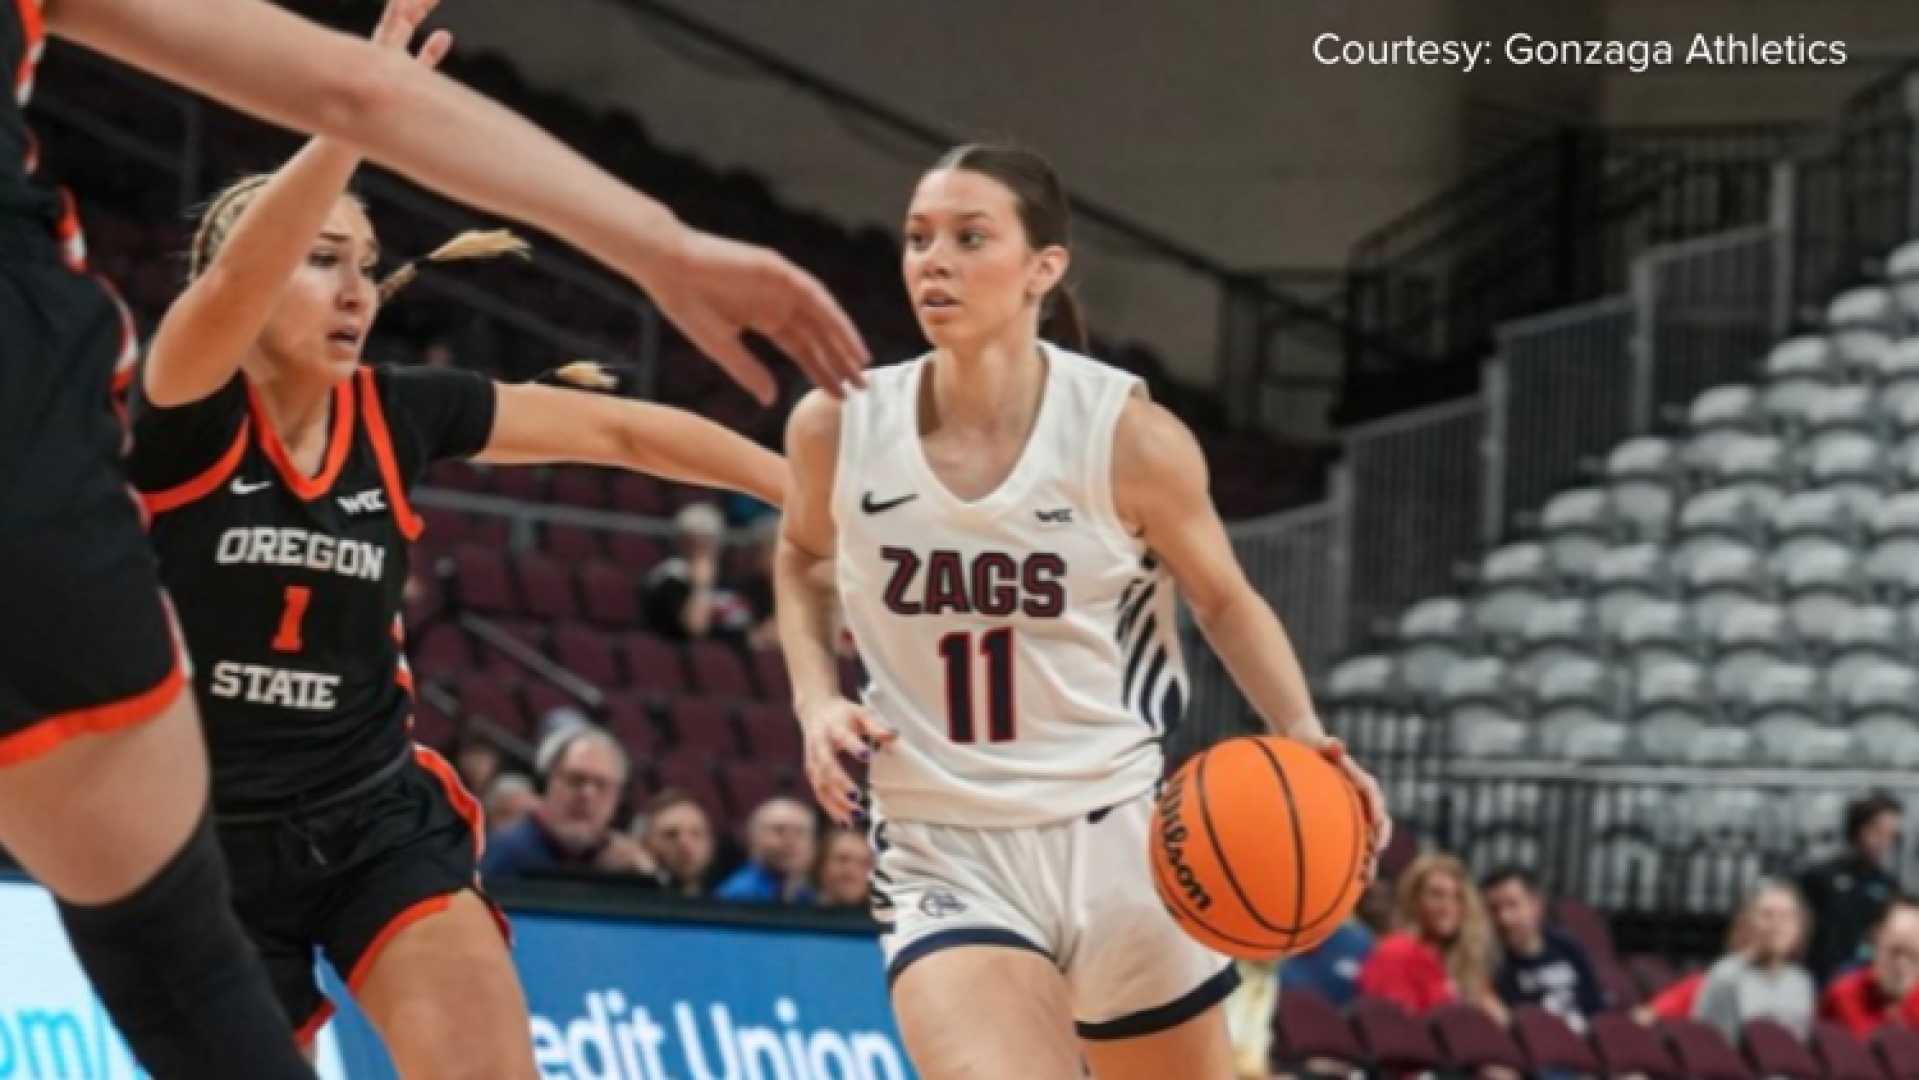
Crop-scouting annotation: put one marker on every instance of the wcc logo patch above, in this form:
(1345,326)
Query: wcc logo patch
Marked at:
(940,903)
(370,501)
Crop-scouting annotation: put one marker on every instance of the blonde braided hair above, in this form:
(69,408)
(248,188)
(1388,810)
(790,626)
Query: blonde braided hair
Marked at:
(217,220)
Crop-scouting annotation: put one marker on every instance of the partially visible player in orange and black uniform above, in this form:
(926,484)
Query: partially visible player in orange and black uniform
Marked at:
(278,469)
(102,772)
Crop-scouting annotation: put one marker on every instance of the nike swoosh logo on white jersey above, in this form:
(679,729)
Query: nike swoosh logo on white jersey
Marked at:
(241,487)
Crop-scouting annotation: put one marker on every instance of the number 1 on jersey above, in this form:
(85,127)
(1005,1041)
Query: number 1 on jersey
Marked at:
(957,650)
(295,613)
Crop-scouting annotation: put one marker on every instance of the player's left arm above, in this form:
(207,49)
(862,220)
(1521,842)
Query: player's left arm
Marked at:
(535,424)
(1162,490)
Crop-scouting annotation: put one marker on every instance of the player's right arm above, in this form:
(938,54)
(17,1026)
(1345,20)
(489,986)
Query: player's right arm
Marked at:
(804,600)
(281,67)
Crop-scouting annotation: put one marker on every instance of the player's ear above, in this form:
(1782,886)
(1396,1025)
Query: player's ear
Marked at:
(1050,264)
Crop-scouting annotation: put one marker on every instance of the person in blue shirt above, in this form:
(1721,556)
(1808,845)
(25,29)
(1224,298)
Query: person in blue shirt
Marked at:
(781,838)
(1331,968)
(1542,966)
(585,772)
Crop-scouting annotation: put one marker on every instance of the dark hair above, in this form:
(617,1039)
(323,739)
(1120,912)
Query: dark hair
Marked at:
(666,799)
(1045,215)
(1500,875)
(1862,811)
(1899,902)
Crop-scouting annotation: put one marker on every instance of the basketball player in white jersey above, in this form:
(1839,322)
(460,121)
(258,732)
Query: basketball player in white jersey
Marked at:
(1006,521)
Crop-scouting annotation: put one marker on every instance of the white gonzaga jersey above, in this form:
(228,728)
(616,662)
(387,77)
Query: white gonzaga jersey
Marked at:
(1024,646)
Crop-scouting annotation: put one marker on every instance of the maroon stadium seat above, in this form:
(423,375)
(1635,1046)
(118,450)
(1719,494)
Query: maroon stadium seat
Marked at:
(546,586)
(1650,973)
(1774,1051)
(718,669)
(1549,1043)
(573,543)
(531,633)
(629,716)
(424,598)
(431,726)
(750,783)
(543,697)
(1897,1049)
(524,484)
(1392,1039)
(446,528)
(1844,1057)
(1305,1028)
(691,772)
(635,553)
(588,653)
(481,582)
(1588,927)
(443,651)
(491,698)
(769,672)
(1470,1040)
(1619,987)
(579,485)
(1625,1047)
(609,595)
(703,724)
(653,663)
(636,493)
(772,732)
(1702,1053)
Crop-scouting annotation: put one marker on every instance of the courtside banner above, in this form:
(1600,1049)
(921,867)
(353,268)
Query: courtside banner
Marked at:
(612,998)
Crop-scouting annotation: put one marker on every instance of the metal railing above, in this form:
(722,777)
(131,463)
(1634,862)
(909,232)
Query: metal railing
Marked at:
(1418,505)
(1858,194)
(1708,310)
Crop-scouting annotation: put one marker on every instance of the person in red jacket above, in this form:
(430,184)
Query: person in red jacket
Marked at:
(1442,950)
(1864,999)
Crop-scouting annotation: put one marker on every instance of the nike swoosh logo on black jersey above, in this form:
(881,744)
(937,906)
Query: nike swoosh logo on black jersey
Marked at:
(241,487)
(867,504)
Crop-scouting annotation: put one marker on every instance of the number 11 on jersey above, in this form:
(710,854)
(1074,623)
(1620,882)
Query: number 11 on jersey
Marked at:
(957,650)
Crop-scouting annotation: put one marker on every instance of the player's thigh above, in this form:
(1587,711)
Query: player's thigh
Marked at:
(444,996)
(986,1013)
(1198,1049)
(94,817)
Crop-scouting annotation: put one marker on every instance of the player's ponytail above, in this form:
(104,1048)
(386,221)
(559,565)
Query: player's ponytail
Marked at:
(1062,322)
(472,244)
(1046,217)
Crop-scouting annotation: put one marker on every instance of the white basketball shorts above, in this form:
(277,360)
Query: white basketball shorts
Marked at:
(1078,892)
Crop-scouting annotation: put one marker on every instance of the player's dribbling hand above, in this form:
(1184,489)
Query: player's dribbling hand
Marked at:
(1378,821)
(714,289)
(839,727)
(401,19)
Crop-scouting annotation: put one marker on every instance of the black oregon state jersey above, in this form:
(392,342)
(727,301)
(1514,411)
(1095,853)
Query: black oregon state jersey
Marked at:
(289,587)
(24,198)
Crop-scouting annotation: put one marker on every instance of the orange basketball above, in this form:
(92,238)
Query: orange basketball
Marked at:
(1259,846)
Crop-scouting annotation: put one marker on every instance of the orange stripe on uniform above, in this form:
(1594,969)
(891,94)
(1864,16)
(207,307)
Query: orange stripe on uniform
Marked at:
(339,441)
(49,734)
(410,524)
(463,801)
(303,1036)
(36,31)
(432,905)
(201,486)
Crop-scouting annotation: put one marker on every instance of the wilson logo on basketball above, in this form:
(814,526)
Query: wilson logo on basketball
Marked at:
(1172,836)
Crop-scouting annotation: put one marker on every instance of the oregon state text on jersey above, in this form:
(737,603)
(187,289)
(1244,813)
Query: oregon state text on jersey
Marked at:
(1023,644)
(289,586)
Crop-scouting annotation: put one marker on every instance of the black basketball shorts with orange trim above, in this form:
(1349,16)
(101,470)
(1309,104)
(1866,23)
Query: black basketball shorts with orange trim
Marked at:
(86,643)
(345,878)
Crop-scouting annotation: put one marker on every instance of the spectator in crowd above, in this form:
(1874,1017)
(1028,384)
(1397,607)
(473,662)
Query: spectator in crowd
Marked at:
(683,597)
(1762,980)
(781,837)
(509,799)
(1865,998)
(1442,949)
(756,590)
(1848,892)
(1331,968)
(844,875)
(477,761)
(583,773)
(562,718)
(1541,966)
(676,832)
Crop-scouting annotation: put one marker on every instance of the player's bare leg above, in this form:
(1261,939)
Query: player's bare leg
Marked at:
(444,996)
(987,1013)
(1199,1049)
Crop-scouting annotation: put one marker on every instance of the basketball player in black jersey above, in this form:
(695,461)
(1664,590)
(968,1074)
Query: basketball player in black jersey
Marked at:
(102,772)
(277,469)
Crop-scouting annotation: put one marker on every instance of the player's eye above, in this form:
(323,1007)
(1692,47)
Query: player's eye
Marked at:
(323,260)
(972,238)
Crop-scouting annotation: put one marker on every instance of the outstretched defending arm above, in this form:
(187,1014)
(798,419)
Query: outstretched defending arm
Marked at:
(278,66)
